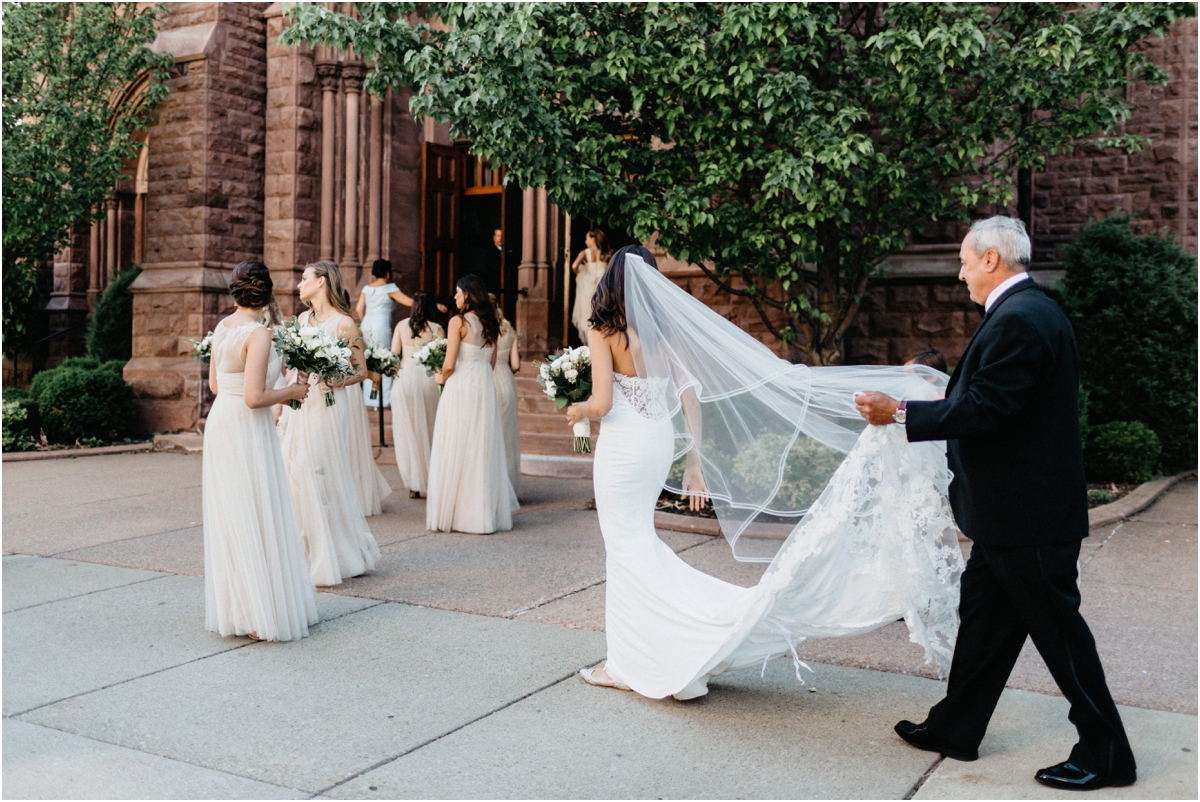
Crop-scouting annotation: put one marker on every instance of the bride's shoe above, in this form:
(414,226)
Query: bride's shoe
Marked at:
(589,676)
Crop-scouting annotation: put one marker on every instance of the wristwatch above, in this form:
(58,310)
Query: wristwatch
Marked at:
(901,414)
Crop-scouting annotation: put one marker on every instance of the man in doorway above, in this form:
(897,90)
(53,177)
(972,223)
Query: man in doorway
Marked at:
(493,262)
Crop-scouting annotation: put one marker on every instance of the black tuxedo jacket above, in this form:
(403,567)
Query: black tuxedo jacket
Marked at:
(1010,420)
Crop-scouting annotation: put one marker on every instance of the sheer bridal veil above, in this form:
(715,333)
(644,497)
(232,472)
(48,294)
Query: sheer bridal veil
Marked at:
(769,434)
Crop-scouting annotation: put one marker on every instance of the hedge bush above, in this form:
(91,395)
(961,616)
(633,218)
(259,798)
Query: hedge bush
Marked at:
(1132,301)
(1122,451)
(75,403)
(20,420)
(110,331)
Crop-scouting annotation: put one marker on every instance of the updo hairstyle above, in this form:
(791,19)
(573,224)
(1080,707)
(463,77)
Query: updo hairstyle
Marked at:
(251,285)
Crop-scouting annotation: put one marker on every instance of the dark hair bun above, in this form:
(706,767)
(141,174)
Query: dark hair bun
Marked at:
(251,285)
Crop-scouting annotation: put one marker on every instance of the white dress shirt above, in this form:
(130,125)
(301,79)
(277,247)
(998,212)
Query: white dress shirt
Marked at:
(995,294)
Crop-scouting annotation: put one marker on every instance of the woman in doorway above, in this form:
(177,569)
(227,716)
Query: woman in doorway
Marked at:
(469,490)
(508,362)
(374,309)
(588,267)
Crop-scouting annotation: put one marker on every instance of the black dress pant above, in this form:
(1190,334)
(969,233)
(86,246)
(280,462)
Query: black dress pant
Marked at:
(1008,593)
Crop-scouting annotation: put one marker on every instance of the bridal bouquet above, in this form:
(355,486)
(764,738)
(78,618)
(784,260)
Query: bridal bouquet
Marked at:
(382,361)
(432,355)
(567,379)
(310,350)
(202,348)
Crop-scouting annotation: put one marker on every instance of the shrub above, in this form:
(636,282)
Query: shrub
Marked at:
(19,430)
(810,465)
(116,366)
(75,403)
(1122,451)
(41,380)
(1132,302)
(110,332)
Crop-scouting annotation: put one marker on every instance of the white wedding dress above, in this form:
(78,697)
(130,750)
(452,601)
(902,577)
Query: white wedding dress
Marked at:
(469,490)
(316,451)
(372,487)
(876,544)
(506,400)
(414,409)
(255,576)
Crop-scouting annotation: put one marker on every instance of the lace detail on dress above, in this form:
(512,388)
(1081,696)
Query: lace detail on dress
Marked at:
(648,397)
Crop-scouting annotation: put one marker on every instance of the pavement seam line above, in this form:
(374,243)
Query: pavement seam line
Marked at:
(136,495)
(164,757)
(1103,543)
(128,680)
(90,592)
(58,554)
(921,780)
(436,738)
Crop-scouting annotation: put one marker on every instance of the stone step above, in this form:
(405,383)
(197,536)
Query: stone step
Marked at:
(555,423)
(551,444)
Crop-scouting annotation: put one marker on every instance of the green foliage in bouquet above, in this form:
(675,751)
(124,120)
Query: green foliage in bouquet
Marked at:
(110,330)
(1122,451)
(1132,301)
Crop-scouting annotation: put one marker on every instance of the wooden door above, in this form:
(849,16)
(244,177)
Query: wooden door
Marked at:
(442,186)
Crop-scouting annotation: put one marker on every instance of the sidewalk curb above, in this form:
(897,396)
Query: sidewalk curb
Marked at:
(1138,499)
(68,453)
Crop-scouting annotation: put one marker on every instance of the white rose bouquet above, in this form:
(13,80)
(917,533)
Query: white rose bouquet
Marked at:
(432,355)
(567,379)
(310,350)
(382,361)
(202,348)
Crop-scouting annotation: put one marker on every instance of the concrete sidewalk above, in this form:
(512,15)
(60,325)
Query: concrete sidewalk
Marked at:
(450,670)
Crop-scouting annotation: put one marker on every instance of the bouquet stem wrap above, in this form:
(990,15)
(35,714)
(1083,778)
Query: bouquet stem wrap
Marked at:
(583,437)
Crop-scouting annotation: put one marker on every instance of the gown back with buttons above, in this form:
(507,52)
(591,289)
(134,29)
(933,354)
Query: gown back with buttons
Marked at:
(255,575)
(469,489)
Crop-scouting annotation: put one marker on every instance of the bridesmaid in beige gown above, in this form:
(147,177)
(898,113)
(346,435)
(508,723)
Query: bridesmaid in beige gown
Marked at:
(588,267)
(415,396)
(508,362)
(316,449)
(469,490)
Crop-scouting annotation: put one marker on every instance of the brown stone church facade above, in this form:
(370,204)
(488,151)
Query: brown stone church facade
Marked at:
(265,152)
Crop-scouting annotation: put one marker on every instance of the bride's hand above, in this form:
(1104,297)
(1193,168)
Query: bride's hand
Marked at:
(695,488)
(575,414)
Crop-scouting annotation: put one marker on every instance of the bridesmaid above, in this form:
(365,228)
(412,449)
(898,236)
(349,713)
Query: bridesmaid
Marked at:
(588,267)
(414,396)
(368,480)
(256,581)
(469,490)
(508,362)
(316,448)
(374,309)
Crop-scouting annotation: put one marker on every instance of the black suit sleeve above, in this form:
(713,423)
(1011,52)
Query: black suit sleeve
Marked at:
(1014,356)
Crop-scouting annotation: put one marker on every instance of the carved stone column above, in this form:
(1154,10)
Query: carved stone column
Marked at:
(375,179)
(352,75)
(93,291)
(328,70)
(110,261)
(533,305)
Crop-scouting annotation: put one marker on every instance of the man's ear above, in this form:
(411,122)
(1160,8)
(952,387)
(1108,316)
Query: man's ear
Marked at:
(991,261)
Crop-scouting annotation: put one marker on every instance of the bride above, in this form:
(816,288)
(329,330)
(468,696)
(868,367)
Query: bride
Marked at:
(756,435)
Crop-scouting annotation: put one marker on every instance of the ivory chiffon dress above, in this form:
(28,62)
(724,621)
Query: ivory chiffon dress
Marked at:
(469,489)
(586,281)
(255,576)
(316,451)
(506,401)
(372,487)
(414,409)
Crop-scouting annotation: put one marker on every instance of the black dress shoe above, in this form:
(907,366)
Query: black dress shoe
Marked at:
(1068,776)
(917,735)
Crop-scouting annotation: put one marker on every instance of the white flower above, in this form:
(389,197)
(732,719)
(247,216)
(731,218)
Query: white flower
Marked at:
(545,371)
(571,374)
(551,391)
(584,352)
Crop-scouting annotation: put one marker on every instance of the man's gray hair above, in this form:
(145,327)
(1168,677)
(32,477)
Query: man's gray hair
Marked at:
(1006,236)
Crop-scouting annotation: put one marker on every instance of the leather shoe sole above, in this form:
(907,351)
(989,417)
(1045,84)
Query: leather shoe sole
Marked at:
(916,735)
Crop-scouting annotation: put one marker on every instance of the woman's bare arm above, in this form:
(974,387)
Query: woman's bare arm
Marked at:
(602,381)
(453,339)
(349,329)
(398,339)
(360,308)
(693,479)
(514,355)
(400,298)
(256,354)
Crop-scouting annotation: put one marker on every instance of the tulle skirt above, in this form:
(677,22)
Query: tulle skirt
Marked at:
(469,490)
(506,403)
(255,576)
(414,411)
(372,487)
(316,451)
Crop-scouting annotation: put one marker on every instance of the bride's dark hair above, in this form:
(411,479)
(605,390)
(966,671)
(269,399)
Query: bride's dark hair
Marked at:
(608,304)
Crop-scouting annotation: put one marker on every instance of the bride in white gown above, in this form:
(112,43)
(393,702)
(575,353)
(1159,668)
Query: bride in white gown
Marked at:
(255,578)
(877,540)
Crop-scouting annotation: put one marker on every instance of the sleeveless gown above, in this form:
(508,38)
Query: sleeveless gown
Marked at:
(843,571)
(316,451)
(372,487)
(377,331)
(469,490)
(414,410)
(506,400)
(255,576)
(586,281)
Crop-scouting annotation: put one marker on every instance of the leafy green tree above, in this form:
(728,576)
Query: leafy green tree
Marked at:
(68,127)
(793,146)
(110,331)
